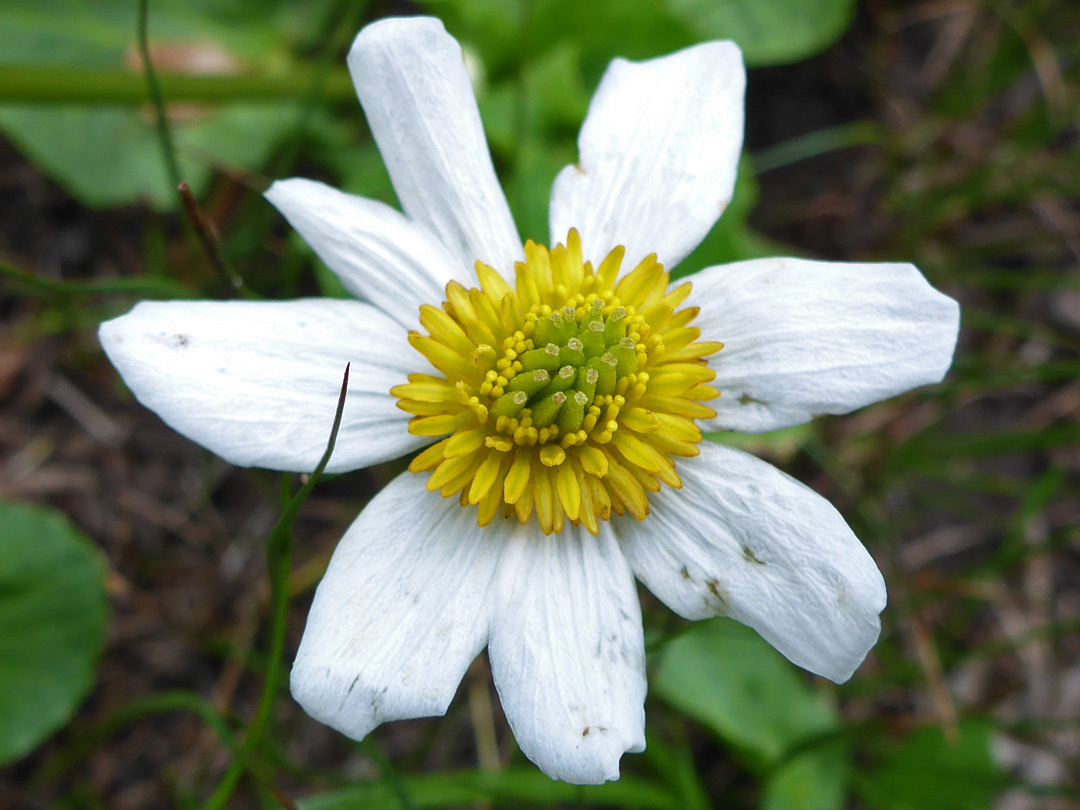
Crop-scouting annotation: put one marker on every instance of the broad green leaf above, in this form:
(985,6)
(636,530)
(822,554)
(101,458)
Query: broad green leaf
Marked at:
(769,33)
(928,772)
(513,788)
(726,677)
(52,623)
(603,29)
(111,156)
(74,33)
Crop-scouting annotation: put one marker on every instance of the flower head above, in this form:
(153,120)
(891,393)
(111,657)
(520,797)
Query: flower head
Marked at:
(567,394)
(557,399)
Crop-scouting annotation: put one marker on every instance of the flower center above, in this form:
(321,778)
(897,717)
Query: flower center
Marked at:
(567,394)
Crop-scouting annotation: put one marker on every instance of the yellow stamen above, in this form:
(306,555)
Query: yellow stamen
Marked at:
(567,394)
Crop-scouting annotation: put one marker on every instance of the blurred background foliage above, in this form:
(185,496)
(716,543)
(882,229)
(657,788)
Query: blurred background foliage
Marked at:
(939,131)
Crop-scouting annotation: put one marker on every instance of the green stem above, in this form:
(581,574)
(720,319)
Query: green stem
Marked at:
(168,149)
(49,85)
(388,773)
(279,562)
(817,143)
(161,703)
(136,285)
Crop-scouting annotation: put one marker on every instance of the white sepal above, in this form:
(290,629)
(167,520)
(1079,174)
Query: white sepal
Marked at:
(403,610)
(379,255)
(417,96)
(567,652)
(744,540)
(805,338)
(659,151)
(258,382)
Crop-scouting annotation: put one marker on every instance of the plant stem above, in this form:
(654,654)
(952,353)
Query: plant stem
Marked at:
(50,85)
(209,240)
(138,285)
(278,563)
(168,149)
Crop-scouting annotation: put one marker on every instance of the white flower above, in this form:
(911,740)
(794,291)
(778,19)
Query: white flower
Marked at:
(420,584)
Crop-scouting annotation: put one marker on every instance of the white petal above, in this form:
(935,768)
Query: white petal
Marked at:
(658,155)
(804,338)
(567,652)
(744,540)
(414,87)
(402,611)
(379,255)
(258,382)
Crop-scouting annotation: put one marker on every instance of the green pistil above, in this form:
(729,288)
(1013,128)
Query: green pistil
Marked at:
(615,328)
(546,410)
(531,382)
(509,404)
(546,358)
(573,353)
(572,413)
(561,381)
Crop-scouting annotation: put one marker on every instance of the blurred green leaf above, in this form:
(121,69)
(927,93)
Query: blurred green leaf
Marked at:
(776,32)
(769,33)
(814,780)
(928,772)
(108,156)
(529,187)
(726,677)
(510,35)
(357,163)
(601,29)
(731,239)
(111,157)
(52,623)
(781,444)
(531,122)
(514,788)
(675,762)
(74,33)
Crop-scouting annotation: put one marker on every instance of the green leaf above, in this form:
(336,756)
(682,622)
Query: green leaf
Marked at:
(782,445)
(928,772)
(511,35)
(814,780)
(732,239)
(773,32)
(531,122)
(769,33)
(528,187)
(52,623)
(726,677)
(603,29)
(109,156)
(513,788)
